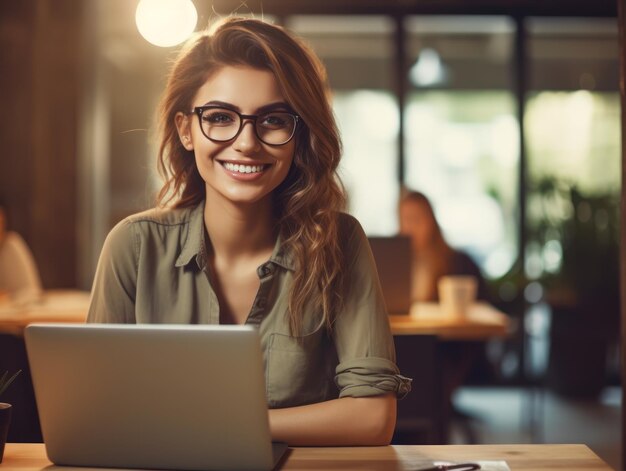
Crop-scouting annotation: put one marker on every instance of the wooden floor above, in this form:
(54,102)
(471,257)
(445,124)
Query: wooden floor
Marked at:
(501,416)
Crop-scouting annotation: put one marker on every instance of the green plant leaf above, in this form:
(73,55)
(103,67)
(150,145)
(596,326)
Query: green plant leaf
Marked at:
(5,383)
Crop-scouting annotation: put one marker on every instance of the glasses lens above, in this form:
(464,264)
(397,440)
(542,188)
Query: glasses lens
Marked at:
(275,128)
(220,124)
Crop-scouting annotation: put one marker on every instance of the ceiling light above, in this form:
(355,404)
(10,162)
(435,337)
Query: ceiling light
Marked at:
(428,70)
(166,23)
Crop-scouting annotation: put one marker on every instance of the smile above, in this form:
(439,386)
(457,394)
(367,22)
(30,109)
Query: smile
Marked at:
(241,168)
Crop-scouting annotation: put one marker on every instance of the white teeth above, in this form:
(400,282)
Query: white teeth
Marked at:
(243,168)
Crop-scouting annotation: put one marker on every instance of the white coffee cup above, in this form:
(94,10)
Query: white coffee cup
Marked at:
(456,294)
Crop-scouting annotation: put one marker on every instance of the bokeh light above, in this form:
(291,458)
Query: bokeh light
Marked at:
(166,23)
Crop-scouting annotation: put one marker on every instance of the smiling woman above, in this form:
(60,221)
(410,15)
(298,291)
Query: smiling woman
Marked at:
(226,149)
(250,229)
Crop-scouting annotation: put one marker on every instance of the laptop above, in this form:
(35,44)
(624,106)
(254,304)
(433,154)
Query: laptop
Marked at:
(152,396)
(393,262)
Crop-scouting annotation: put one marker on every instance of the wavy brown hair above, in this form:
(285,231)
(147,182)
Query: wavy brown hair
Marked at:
(308,201)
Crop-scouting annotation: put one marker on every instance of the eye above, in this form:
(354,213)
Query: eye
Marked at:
(219,117)
(275,120)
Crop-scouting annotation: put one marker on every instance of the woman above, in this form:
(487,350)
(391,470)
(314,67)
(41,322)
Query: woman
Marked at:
(432,256)
(19,277)
(432,259)
(249,150)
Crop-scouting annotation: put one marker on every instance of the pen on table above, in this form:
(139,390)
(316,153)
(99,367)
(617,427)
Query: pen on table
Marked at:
(455,467)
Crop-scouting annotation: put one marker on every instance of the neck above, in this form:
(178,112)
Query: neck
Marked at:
(239,229)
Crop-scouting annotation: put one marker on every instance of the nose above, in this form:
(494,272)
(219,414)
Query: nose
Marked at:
(247,141)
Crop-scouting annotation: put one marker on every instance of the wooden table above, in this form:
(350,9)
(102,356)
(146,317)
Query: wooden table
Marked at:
(54,306)
(482,321)
(437,350)
(32,457)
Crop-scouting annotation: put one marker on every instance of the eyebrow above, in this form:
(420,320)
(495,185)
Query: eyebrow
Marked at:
(279,105)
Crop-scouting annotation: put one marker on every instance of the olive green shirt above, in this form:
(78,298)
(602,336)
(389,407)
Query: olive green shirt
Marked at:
(153,269)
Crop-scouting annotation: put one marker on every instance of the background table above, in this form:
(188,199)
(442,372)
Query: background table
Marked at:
(54,306)
(418,336)
(32,457)
(483,321)
(427,346)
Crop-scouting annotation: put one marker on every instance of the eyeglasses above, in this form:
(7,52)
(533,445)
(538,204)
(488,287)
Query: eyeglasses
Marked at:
(274,128)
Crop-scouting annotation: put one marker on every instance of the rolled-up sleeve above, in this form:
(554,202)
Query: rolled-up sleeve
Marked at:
(371,377)
(362,335)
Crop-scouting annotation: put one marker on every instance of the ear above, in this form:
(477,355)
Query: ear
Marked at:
(183,125)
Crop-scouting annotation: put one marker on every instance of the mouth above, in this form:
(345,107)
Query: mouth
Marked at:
(244,168)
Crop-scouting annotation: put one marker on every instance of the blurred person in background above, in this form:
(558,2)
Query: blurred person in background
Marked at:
(19,277)
(433,258)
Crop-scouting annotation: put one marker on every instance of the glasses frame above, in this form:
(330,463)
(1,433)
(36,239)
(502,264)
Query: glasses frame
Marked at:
(199,110)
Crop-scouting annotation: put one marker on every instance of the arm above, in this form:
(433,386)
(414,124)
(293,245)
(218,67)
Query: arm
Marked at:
(348,421)
(366,375)
(114,287)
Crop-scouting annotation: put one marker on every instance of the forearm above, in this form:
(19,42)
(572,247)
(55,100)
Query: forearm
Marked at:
(347,421)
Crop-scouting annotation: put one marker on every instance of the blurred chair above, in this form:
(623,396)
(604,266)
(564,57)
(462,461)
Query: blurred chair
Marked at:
(421,414)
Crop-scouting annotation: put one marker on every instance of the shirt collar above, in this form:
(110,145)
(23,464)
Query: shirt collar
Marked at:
(281,256)
(193,245)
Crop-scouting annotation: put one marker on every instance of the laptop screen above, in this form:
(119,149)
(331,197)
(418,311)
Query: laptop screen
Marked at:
(151,396)
(393,262)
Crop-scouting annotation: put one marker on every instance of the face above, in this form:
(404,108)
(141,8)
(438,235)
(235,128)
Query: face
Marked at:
(417,223)
(243,170)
